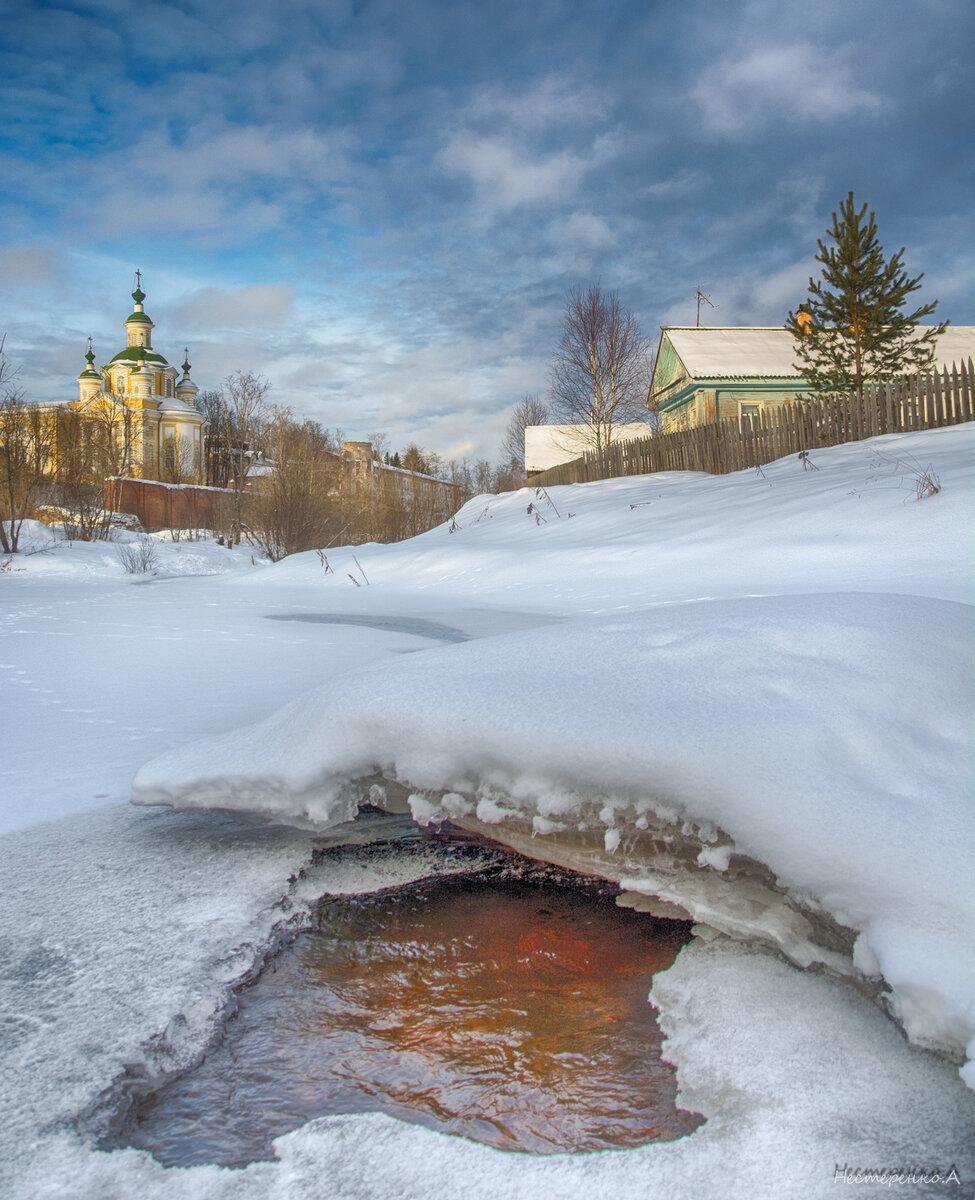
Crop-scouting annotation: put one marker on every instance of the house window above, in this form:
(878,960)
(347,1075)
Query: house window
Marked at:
(749,409)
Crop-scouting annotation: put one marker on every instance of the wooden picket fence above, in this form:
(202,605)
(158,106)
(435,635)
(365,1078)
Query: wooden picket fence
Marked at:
(925,401)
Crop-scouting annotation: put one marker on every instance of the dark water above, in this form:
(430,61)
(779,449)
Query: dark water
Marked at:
(514,1014)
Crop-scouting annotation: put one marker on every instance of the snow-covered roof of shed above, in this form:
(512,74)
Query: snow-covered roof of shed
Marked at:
(549,446)
(733,352)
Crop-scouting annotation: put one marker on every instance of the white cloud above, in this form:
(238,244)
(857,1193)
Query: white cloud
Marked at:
(505,178)
(775,295)
(253,307)
(548,104)
(797,81)
(223,182)
(225,154)
(681,184)
(528,146)
(30,266)
(582,230)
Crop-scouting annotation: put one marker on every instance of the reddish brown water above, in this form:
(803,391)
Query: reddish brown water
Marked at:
(512,1014)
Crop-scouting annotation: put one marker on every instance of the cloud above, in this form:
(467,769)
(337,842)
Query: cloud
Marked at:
(224,183)
(781,292)
(737,95)
(505,178)
(30,266)
(409,190)
(253,307)
(582,229)
(553,102)
(528,147)
(684,183)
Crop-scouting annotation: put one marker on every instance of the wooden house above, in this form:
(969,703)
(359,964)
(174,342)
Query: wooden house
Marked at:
(708,374)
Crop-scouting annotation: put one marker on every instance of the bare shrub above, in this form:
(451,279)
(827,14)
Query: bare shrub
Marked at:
(906,472)
(926,483)
(138,557)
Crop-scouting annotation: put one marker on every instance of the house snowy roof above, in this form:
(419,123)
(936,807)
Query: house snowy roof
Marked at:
(709,353)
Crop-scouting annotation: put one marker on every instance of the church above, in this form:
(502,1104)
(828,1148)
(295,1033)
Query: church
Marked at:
(148,408)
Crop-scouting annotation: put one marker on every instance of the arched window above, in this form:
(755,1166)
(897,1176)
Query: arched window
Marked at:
(169,454)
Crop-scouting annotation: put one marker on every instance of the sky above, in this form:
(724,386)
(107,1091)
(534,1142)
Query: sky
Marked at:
(381,207)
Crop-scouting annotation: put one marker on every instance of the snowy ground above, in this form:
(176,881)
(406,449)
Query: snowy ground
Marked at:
(783,655)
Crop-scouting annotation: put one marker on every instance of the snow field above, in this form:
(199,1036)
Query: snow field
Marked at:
(829,733)
(784,657)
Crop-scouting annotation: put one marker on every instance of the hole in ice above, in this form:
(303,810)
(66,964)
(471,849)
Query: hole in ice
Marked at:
(511,1011)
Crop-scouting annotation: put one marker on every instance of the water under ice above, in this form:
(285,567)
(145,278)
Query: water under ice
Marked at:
(513,1013)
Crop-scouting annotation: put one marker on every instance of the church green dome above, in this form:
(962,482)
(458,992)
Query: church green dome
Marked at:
(139,354)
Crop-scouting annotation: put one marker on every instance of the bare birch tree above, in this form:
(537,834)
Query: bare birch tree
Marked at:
(235,429)
(601,370)
(530,410)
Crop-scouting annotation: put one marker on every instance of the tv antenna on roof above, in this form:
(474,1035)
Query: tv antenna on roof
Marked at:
(706,297)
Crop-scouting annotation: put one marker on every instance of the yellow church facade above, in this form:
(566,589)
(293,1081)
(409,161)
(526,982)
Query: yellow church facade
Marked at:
(137,410)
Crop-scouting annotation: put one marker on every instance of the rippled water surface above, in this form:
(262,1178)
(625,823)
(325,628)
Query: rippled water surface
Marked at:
(512,1013)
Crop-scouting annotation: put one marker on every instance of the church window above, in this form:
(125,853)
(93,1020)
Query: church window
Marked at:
(169,454)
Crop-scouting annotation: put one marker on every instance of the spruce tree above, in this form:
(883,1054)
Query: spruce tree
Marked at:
(856,330)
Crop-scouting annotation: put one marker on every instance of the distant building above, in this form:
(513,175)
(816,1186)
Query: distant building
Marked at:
(551,445)
(140,408)
(703,375)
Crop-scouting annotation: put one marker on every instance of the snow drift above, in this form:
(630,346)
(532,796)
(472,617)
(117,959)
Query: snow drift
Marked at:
(827,735)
